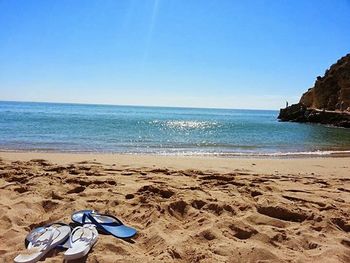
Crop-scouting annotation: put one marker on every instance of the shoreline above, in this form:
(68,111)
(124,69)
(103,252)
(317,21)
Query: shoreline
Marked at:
(295,165)
(236,155)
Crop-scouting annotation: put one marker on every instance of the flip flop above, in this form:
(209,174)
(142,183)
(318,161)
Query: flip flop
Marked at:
(81,241)
(105,223)
(41,229)
(42,242)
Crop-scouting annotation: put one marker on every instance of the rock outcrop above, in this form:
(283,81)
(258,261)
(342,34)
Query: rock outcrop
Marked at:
(328,102)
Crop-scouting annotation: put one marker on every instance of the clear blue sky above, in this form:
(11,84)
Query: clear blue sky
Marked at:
(230,54)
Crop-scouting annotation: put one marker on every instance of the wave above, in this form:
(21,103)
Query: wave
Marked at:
(305,154)
(318,153)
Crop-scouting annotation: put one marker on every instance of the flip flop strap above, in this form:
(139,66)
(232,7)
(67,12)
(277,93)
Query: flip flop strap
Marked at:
(46,242)
(71,235)
(88,240)
(92,220)
(98,224)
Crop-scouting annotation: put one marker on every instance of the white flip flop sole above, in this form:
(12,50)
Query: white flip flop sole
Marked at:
(81,240)
(38,248)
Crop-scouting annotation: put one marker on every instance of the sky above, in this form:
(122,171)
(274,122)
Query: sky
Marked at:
(188,53)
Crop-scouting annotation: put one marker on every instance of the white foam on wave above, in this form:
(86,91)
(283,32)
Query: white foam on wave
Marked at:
(328,153)
(258,154)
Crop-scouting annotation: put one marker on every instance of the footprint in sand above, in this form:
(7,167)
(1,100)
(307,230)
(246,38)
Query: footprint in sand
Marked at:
(283,213)
(49,205)
(150,189)
(76,190)
(129,196)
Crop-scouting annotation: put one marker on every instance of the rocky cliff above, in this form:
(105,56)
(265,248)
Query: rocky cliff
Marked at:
(328,102)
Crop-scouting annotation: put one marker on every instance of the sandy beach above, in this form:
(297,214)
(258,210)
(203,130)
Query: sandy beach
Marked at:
(186,209)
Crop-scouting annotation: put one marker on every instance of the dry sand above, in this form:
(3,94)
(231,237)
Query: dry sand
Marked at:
(186,209)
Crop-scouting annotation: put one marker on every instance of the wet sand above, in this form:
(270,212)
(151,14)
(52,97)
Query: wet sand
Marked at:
(186,209)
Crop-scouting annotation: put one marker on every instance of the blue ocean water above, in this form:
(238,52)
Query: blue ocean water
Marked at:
(159,130)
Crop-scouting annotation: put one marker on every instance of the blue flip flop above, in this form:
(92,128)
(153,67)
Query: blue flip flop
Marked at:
(105,223)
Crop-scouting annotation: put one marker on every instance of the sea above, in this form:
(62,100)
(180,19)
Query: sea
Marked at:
(80,128)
